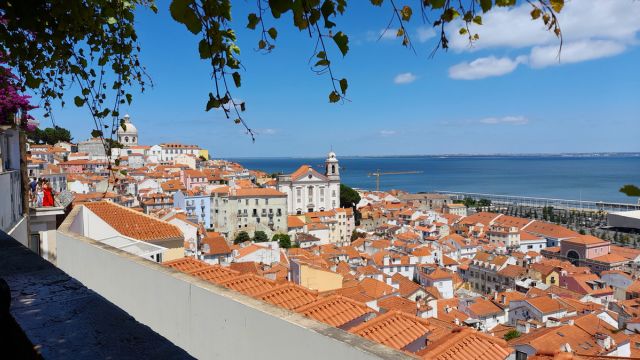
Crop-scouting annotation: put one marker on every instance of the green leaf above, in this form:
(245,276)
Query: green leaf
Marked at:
(253,21)
(557,5)
(262,44)
(111,20)
(334,97)
(406,13)
(477,19)
(96,133)
(182,13)
(212,103)
(376,2)
(462,31)
(322,62)
(450,14)
(236,78)
(505,2)
(343,86)
(116,161)
(273,33)
(123,125)
(342,41)
(129,98)
(321,55)
(204,49)
(78,101)
(535,13)
(486,5)
(31,81)
(437,4)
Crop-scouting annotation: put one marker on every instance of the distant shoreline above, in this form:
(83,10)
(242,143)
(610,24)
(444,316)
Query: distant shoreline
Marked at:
(496,155)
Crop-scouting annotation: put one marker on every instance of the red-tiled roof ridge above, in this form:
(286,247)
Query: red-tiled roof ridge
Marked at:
(394,329)
(132,223)
(288,295)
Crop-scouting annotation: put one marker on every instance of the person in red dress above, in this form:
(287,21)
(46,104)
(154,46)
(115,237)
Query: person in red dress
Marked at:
(48,194)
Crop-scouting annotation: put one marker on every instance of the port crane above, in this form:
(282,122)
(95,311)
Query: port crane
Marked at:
(377,174)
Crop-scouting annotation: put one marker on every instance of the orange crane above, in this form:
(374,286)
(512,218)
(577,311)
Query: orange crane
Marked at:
(377,174)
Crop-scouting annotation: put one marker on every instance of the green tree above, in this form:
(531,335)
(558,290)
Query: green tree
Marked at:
(93,44)
(582,232)
(511,334)
(49,135)
(630,190)
(484,202)
(113,144)
(260,236)
(357,235)
(241,237)
(284,240)
(348,197)
(469,202)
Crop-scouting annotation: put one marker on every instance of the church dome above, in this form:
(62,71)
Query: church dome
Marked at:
(331,156)
(130,128)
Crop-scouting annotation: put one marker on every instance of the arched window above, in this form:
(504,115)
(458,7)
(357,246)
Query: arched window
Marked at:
(133,139)
(333,169)
(126,139)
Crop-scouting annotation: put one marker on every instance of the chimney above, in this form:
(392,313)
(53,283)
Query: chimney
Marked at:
(603,340)
(566,348)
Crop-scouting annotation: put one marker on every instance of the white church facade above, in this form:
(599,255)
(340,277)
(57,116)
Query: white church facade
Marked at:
(308,190)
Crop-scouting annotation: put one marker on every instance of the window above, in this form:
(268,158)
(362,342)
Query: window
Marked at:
(266,201)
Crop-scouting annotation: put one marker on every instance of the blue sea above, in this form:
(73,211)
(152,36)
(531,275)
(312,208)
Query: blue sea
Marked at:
(595,178)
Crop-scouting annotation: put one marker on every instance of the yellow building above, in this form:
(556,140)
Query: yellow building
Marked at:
(314,277)
(204,153)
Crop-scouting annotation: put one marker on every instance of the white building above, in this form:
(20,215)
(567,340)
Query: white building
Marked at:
(307,190)
(127,136)
(169,152)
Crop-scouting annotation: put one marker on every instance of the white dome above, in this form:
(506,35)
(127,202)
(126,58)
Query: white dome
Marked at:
(130,128)
(331,156)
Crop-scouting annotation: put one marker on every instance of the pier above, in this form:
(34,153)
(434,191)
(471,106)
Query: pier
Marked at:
(580,205)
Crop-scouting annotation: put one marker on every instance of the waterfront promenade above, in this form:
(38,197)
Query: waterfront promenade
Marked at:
(579,205)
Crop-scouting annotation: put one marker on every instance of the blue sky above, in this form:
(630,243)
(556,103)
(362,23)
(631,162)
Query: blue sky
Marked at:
(508,94)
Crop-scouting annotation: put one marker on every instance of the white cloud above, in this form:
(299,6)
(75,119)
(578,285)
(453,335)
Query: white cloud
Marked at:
(425,33)
(542,56)
(404,78)
(509,120)
(484,67)
(591,29)
(579,20)
(266,131)
(387,34)
(386,133)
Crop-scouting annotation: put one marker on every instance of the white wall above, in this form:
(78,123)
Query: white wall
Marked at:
(208,321)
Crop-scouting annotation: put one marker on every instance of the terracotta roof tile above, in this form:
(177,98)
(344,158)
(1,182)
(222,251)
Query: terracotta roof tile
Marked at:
(249,284)
(215,274)
(288,296)
(134,224)
(335,310)
(394,329)
(186,264)
(466,343)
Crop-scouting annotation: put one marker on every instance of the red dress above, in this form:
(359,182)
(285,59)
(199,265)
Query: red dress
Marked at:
(47,200)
